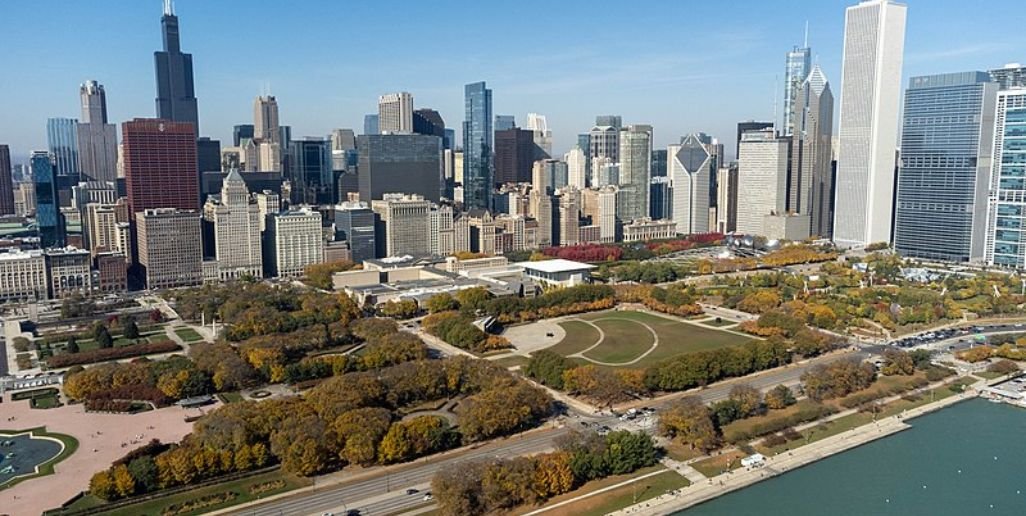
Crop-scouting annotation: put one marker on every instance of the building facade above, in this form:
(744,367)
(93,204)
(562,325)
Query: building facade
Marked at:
(311,171)
(354,223)
(97,139)
(23,276)
(395,113)
(236,220)
(690,167)
(946,157)
(1006,206)
(762,180)
(796,69)
(176,96)
(293,240)
(811,184)
(62,140)
(49,220)
(478,179)
(69,271)
(407,163)
(6,182)
(635,170)
(874,40)
(160,164)
(514,155)
(404,225)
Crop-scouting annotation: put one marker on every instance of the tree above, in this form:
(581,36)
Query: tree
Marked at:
(552,474)
(548,367)
(1003,367)
(920,357)
(131,330)
(319,275)
(897,362)
(748,398)
(101,485)
(144,473)
(627,451)
(360,432)
(780,397)
(472,299)
(442,302)
(689,420)
(103,338)
(124,484)
(72,346)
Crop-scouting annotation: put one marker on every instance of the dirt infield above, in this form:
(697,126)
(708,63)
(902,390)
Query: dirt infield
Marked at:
(102,439)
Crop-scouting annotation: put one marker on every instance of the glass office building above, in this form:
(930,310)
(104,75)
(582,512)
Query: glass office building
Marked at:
(311,171)
(399,163)
(49,221)
(62,140)
(945,158)
(1006,218)
(477,147)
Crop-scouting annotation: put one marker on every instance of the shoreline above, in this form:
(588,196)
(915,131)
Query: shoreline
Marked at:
(729,482)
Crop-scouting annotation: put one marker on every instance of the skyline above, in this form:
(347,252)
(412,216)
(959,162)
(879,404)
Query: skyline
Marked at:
(636,75)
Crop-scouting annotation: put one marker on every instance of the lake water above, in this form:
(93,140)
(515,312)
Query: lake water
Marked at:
(968,459)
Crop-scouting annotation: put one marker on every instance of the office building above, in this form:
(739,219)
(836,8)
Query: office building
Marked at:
(395,113)
(811,182)
(170,246)
(541,209)
(635,169)
(406,163)
(25,198)
(354,223)
(429,122)
(62,140)
(1012,75)
(49,220)
(265,119)
(370,124)
(605,143)
(97,139)
(614,121)
(6,182)
(160,164)
(569,217)
(311,171)
(946,152)
(69,271)
(1006,215)
(539,126)
(577,168)
(762,180)
(690,167)
(241,133)
(604,172)
(208,154)
(796,69)
(660,198)
(727,199)
(268,202)
(293,240)
(749,125)
(646,229)
(548,175)
(504,122)
(658,163)
(176,97)
(236,221)
(404,224)
(111,273)
(23,275)
(874,39)
(107,228)
(599,206)
(478,179)
(514,155)
(343,140)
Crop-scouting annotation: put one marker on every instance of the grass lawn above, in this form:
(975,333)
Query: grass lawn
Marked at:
(989,375)
(627,340)
(47,401)
(241,487)
(188,334)
(719,464)
(625,496)
(230,397)
(722,323)
(579,507)
(515,360)
(681,452)
(46,468)
(747,424)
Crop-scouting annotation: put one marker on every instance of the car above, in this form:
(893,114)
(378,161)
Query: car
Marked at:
(353,512)
(428,497)
(411,491)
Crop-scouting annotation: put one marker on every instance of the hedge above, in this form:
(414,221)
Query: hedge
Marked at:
(744,433)
(861,398)
(105,354)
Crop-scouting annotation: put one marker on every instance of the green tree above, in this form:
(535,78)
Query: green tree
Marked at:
(72,346)
(780,397)
(548,367)
(103,338)
(144,472)
(131,331)
(442,302)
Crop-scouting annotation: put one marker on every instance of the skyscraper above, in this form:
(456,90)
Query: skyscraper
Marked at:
(160,164)
(604,142)
(874,40)
(176,98)
(62,140)
(658,163)
(406,225)
(236,221)
(354,223)
(946,150)
(577,168)
(1006,215)
(265,120)
(477,147)
(690,167)
(311,171)
(49,220)
(370,124)
(429,122)
(749,125)
(97,139)
(542,135)
(399,163)
(762,180)
(811,178)
(170,246)
(514,155)
(505,122)
(6,183)
(241,133)
(799,61)
(615,121)
(395,113)
(635,171)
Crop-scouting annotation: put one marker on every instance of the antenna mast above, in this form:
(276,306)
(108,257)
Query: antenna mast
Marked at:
(169,8)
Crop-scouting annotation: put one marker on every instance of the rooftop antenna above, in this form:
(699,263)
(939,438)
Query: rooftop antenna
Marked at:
(806,34)
(169,8)
(775,79)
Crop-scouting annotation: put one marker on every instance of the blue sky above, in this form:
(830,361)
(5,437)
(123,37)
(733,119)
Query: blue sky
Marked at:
(681,66)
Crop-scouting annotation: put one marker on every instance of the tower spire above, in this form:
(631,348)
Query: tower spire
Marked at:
(806,45)
(169,8)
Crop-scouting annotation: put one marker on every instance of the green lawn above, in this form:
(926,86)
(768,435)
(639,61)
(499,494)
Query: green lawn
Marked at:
(46,468)
(614,499)
(511,361)
(719,464)
(230,397)
(188,334)
(722,323)
(627,337)
(156,506)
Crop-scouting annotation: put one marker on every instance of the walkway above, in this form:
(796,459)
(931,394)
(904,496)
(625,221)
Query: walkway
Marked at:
(602,337)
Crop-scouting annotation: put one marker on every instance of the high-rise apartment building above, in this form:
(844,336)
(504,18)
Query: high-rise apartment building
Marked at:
(514,155)
(236,220)
(946,156)
(726,198)
(293,240)
(762,180)
(690,168)
(796,69)
(405,163)
(811,182)
(635,169)
(160,164)
(405,223)
(478,179)
(1006,206)
(577,168)
(6,182)
(874,40)
(62,140)
(354,223)
(176,97)
(97,139)
(395,113)
(49,220)
(170,246)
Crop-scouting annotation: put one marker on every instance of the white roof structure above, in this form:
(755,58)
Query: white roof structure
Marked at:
(555,266)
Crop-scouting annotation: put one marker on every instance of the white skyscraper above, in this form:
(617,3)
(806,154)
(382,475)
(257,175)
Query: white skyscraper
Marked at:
(762,180)
(236,231)
(395,113)
(577,168)
(689,166)
(874,39)
(542,134)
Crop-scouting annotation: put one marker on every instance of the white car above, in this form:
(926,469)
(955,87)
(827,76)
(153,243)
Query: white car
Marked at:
(428,497)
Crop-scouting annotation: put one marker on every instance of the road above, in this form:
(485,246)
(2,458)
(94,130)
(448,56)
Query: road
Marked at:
(386,494)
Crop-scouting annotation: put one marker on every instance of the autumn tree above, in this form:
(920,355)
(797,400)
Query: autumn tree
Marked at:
(748,399)
(690,421)
(407,440)
(897,362)
(779,397)
(360,431)
(441,302)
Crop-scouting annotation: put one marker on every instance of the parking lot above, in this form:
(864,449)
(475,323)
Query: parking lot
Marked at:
(945,340)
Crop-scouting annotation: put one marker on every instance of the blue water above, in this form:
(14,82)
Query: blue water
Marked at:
(968,459)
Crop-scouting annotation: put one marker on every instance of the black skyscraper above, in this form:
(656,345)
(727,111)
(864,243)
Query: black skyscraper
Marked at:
(176,99)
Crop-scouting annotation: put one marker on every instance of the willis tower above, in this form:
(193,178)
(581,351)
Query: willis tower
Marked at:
(176,99)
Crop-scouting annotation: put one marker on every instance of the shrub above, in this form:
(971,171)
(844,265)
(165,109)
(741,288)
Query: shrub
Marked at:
(746,431)
(773,440)
(105,354)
